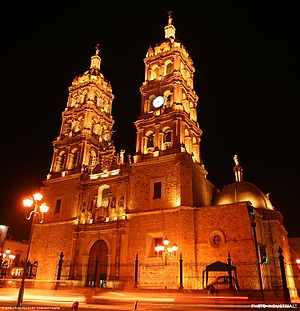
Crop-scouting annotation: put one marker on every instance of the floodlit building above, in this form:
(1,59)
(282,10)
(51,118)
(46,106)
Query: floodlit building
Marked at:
(152,219)
(12,257)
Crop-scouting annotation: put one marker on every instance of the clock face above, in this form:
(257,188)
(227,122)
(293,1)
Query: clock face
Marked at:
(158,101)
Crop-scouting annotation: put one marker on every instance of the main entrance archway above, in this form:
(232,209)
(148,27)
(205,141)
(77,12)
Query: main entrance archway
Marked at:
(97,265)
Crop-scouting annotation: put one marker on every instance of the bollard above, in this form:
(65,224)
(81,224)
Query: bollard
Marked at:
(135,306)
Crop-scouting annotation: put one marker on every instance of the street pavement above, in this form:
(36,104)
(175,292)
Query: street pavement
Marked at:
(62,300)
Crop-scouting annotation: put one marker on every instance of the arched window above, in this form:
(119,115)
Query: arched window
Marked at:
(103,196)
(73,159)
(106,193)
(60,162)
(154,72)
(168,136)
(150,141)
(217,240)
(169,68)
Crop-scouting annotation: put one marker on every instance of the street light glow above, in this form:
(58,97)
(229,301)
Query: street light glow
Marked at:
(44,208)
(166,252)
(37,197)
(27,202)
(11,256)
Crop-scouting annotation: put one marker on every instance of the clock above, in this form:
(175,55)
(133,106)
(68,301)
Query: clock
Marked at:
(158,101)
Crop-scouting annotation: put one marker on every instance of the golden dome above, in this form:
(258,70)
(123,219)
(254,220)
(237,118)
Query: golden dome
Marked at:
(243,191)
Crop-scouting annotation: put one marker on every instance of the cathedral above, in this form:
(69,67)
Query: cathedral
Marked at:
(150,220)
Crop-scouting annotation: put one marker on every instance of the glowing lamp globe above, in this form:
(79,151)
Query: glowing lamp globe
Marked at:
(175,248)
(44,208)
(27,202)
(166,242)
(37,196)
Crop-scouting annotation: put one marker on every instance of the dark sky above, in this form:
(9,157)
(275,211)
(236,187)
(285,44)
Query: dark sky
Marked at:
(246,56)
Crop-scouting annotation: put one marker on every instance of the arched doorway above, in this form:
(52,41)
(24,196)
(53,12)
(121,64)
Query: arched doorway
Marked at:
(97,265)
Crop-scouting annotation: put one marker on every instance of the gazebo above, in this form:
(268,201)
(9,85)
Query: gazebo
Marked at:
(218,266)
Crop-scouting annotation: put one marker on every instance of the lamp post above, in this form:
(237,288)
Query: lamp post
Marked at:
(165,250)
(251,211)
(7,259)
(34,208)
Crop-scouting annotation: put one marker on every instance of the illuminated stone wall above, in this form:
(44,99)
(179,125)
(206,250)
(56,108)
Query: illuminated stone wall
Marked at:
(68,191)
(177,225)
(232,224)
(182,184)
(48,241)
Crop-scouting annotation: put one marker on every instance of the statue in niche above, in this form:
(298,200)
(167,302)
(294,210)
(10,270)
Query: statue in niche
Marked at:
(82,215)
(121,202)
(112,206)
(78,124)
(84,171)
(96,128)
(84,168)
(67,131)
(113,202)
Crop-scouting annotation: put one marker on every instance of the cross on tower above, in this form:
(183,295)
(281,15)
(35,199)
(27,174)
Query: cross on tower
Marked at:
(170,17)
(97,48)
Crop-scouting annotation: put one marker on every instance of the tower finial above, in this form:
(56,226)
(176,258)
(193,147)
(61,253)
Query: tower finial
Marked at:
(236,159)
(170,29)
(96,60)
(97,48)
(170,18)
(237,169)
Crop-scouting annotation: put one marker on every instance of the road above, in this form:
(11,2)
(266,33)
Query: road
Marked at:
(132,301)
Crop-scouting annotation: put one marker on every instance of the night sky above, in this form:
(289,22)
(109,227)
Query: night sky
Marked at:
(246,57)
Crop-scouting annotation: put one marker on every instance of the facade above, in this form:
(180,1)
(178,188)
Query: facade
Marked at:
(109,210)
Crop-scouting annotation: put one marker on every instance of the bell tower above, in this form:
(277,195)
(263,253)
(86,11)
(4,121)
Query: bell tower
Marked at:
(168,118)
(85,138)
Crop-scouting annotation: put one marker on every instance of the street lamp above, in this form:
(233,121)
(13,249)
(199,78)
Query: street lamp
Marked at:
(34,208)
(251,211)
(7,259)
(166,251)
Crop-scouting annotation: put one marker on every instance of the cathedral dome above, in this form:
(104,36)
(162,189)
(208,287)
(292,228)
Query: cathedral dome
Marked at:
(243,191)
(240,191)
